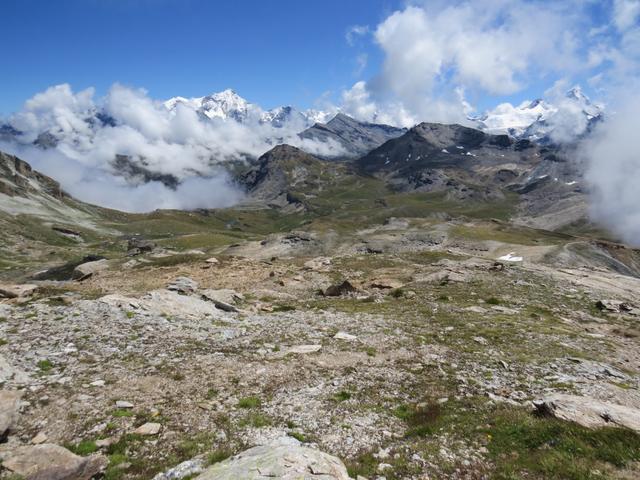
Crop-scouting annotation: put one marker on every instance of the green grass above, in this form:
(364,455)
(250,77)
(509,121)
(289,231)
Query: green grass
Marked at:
(45,366)
(122,412)
(524,445)
(421,420)
(256,420)
(85,447)
(249,402)
(342,396)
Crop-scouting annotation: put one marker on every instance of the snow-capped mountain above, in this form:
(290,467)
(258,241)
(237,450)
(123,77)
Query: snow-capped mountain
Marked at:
(229,105)
(562,120)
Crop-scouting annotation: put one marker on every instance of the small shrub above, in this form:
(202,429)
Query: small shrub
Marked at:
(342,396)
(249,402)
(492,301)
(45,365)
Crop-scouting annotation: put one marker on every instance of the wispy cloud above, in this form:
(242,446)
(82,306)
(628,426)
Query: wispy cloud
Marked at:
(354,32)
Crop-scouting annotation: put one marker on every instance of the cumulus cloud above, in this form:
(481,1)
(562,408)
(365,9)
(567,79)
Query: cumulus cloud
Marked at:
(614,170)
(87,135)
(435,50)
(611,153)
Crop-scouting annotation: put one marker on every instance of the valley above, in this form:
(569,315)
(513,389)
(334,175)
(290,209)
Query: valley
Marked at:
(440,307)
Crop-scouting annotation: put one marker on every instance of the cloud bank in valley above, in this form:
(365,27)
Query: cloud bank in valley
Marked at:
(84,136)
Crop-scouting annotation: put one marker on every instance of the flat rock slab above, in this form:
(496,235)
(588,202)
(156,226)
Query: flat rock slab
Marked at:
(148,429)
(184,285)
(52,462)
(9,406)
(305,349)
(88,269)
(285,462)
(345,336)
(17,291)
(224,299)
(589,412)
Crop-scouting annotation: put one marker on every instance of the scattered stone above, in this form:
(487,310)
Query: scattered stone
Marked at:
(148,428)
(589,412)
(183,470)
(285,462)
(106,442)
(340,289)
(17,291)
(615,306)
(88,269)
(9,407)
(212,261)
(345,336)
(481,340)
(183,285)
(318,264)
(302,349)
(98,383)
(124,404)
(52,462)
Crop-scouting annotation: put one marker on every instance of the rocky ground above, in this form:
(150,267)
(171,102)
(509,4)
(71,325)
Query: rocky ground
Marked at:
(401,351)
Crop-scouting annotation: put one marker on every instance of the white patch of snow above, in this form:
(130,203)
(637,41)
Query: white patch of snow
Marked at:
(510,257)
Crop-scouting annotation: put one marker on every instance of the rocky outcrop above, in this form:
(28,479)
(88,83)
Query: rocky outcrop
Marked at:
(284,462)
(9,406)
(88,269)
(17,291)
(589,412)
(52,462)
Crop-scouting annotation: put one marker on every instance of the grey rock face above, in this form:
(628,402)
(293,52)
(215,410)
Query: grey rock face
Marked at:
(284,462)
(356,138)
(9,405)
(589,412)
(52,462)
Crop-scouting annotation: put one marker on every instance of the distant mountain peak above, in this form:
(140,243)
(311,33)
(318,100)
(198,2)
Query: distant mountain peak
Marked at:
(540,120)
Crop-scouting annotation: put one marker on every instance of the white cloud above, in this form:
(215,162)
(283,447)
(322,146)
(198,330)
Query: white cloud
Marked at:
(613,168)
(354,32)
(626,13)
(434,50)
(178,143)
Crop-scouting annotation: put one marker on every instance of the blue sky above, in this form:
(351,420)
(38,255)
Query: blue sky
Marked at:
(416,59)
(271,52)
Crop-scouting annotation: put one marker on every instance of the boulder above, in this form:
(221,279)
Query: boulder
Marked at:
(340,289)
(9,406)
(183,285)
(17,291)
(284,462)
(136,246)
(615,306)
(52,462)
(9,373)
(589,412)
(224,299)
(148,428)
(88,269)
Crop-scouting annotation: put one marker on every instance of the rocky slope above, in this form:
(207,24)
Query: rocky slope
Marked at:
(469,165)
(356,138)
